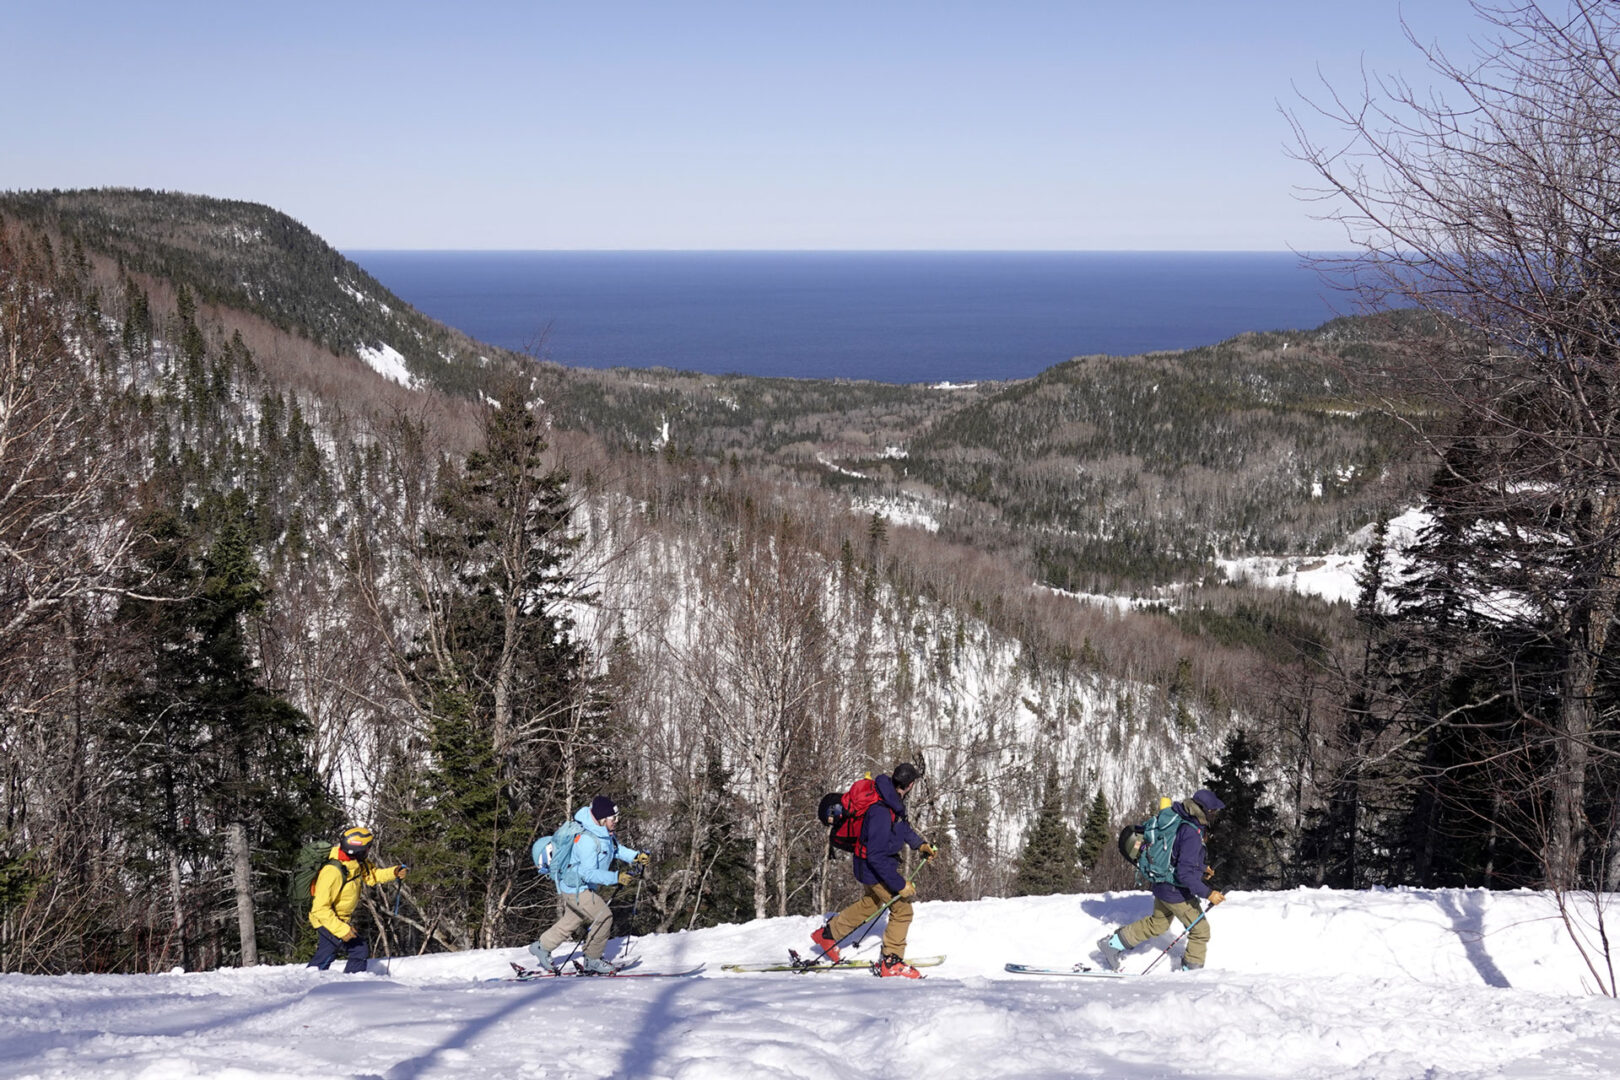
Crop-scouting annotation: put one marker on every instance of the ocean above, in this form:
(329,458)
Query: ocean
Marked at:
(891,316)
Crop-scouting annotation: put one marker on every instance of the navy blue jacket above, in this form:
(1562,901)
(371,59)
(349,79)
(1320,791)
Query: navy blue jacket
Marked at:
(885,832)
(1188,856)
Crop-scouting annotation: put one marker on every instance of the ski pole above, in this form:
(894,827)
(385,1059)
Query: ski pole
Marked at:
(635,907)
(1173,944)
(865,927)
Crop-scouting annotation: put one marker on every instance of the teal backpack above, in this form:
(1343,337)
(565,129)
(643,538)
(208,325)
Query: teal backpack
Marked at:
(553,853)
(1150,845)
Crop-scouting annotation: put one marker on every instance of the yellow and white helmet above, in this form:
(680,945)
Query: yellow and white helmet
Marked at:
(356,842)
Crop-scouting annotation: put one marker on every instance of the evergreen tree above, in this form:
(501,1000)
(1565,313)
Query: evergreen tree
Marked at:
(1097,835)
(1471,807)
(204,745)
(1050,860)
(501,675)
(137,327)
(461,819)
(1243,845)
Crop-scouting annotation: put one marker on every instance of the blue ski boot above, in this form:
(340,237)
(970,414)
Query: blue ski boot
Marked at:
(1111,949)
(542,959)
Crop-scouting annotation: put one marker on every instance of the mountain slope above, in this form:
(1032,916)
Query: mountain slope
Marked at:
(255,259)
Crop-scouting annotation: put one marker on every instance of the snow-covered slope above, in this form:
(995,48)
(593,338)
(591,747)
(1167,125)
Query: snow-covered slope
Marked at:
(1300,985)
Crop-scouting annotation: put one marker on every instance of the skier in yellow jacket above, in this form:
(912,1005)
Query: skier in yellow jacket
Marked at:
(337,893)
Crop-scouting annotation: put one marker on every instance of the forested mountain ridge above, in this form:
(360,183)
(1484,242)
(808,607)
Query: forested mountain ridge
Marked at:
(249,257)
(1143,469)
(1100,474)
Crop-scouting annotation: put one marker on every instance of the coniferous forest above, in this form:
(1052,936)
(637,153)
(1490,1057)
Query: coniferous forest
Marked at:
(252,590)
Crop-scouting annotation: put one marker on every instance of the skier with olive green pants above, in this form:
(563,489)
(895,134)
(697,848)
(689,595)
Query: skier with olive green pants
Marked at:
(1178,899)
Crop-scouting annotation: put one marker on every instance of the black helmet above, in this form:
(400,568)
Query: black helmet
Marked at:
(356,842)
(831,808)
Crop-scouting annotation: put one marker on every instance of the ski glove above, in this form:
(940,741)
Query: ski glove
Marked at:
(1216,897)
(642,859)
(401,870)
(906,893)
(1209,873)
(625,877)
(928,851)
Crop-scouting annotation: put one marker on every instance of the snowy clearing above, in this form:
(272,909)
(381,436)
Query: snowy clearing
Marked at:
(388,362)
(902,509)
(1302,984)
(1331,576)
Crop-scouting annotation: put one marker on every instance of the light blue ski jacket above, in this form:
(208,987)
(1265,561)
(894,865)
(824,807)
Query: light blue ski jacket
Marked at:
(593,854)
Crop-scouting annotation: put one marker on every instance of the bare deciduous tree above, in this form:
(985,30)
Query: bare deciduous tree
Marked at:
(1493,204)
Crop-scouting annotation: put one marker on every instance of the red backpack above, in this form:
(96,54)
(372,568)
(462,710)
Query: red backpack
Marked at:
(843,815)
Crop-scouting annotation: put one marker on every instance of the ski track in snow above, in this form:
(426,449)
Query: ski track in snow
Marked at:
(1301,985)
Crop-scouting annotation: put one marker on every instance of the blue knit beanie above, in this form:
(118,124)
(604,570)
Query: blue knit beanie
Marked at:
(602,808)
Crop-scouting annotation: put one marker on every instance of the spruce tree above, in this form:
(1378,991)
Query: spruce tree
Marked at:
(461,814)
(724,852)
(1243,844)
(202,743)
(1096,836)
(1050,861)
(500,676)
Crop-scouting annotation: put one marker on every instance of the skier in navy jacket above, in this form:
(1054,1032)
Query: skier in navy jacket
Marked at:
(1178,899)
(885,833)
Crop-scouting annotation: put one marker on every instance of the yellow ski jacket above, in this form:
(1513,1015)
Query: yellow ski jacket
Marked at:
(337,891)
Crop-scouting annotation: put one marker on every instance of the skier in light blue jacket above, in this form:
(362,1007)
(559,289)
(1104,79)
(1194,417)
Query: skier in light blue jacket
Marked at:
(586,868)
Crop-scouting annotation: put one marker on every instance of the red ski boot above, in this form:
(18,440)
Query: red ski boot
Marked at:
(892,967)
(823,941)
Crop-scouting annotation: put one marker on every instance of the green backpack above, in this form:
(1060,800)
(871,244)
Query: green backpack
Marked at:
(1149,846)
(313,857)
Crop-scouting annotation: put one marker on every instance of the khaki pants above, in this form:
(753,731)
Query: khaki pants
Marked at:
(894,935)
(579,909)
(1158,922)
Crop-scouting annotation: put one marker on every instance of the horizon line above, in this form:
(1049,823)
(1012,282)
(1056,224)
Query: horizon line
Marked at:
(839,251)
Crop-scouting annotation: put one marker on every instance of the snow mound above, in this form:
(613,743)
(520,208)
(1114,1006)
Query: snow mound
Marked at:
(1301,985)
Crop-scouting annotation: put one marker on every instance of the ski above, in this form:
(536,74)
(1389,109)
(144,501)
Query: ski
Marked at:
(804,965)
(523,974)
(1077,971)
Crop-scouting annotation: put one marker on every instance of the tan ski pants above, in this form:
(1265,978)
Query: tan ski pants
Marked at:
(875,896)
(1157,923)
(580,909)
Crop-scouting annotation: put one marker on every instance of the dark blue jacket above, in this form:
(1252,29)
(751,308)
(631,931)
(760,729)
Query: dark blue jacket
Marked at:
(885,832)
(1188,856)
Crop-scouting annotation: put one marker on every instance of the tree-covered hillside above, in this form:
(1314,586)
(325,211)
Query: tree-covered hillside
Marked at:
(248,257)
(1143,469)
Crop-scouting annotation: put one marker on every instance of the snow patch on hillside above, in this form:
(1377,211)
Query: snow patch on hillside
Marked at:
(388,362)
(897,509)
(1332,576)
(361,297)
(1118,603)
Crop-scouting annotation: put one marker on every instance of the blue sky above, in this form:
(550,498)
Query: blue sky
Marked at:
(691,125)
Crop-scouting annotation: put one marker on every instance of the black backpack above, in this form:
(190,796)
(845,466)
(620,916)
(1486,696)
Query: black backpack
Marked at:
(843,812)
